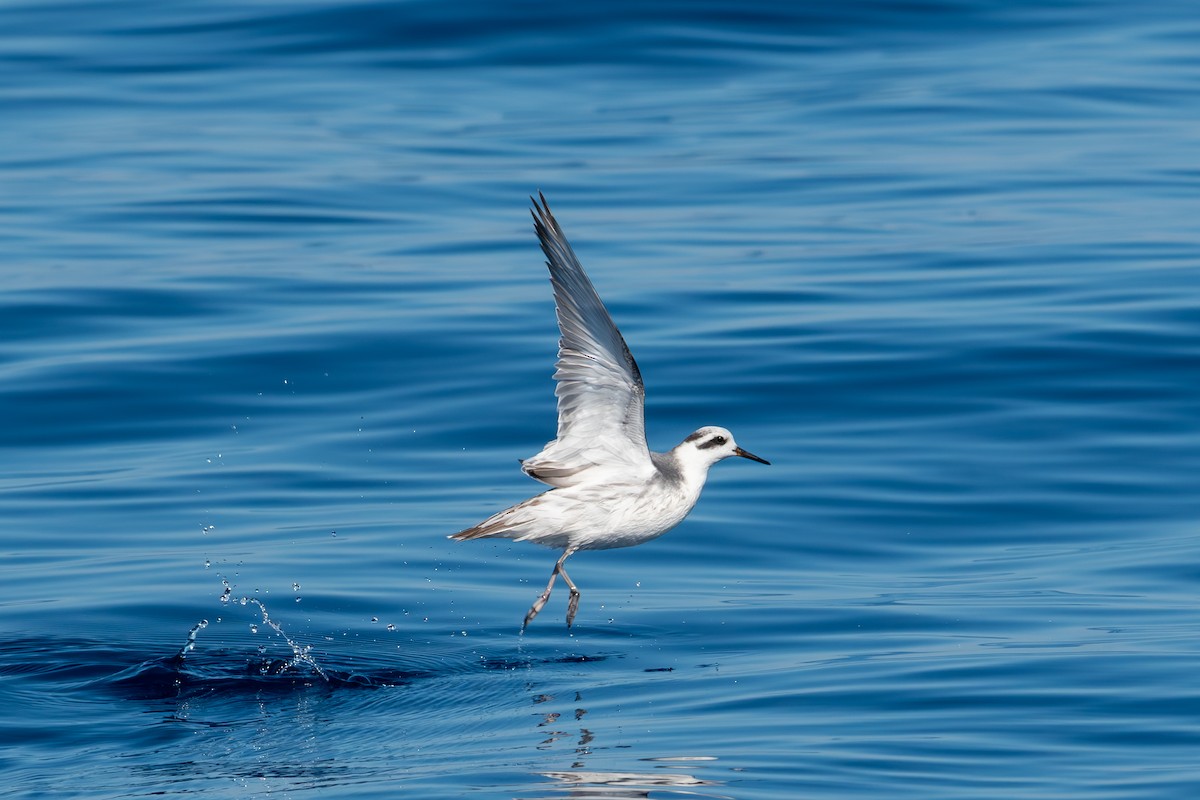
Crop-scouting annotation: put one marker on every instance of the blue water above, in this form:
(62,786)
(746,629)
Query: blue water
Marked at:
(275,322)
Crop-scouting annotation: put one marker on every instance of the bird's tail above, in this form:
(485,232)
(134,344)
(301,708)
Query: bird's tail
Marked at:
(481,531)
(507,524)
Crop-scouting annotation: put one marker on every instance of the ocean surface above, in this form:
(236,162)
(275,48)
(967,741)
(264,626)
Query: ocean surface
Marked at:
(274,323)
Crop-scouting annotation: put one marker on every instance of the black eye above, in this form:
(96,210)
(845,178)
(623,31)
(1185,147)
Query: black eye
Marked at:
(720,439)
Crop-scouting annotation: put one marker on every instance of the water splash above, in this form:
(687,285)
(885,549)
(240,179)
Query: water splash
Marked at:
(301,654)
(190,644)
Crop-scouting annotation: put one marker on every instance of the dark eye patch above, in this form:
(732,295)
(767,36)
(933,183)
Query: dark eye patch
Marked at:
(716,441)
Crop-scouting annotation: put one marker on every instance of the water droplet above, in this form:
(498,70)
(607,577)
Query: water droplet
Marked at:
(391,627)
(374,620)
(295,587)
(253,628)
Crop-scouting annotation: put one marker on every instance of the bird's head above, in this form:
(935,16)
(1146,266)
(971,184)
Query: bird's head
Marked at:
(710,444)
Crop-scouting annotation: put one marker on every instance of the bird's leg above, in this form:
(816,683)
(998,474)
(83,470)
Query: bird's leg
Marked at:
(573,604)
(545,595)
(541,601)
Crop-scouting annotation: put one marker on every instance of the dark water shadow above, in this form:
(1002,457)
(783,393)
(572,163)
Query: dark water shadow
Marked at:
(228,672)
(122,670)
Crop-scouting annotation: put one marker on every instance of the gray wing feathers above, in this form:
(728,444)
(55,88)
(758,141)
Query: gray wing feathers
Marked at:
(600,392)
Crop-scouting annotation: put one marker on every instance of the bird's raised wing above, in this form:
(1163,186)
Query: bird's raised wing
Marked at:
(600,394)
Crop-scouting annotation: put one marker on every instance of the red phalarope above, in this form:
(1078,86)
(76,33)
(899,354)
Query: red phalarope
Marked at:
(610,489)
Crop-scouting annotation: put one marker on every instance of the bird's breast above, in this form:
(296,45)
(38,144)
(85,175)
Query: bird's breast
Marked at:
(629,518)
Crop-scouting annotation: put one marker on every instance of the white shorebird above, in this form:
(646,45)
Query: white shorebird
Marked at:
(610,490)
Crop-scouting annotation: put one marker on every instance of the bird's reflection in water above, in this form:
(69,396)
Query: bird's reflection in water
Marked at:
(665,777)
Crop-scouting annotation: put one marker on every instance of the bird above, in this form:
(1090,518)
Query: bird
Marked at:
(609,489)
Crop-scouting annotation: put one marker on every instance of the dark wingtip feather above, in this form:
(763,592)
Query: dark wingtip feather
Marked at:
(541,216)
(546,227)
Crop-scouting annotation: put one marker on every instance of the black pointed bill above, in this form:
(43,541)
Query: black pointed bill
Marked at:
(737,451)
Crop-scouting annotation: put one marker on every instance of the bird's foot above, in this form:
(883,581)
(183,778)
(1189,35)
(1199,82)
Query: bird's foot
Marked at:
(537,606)
(572,606)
